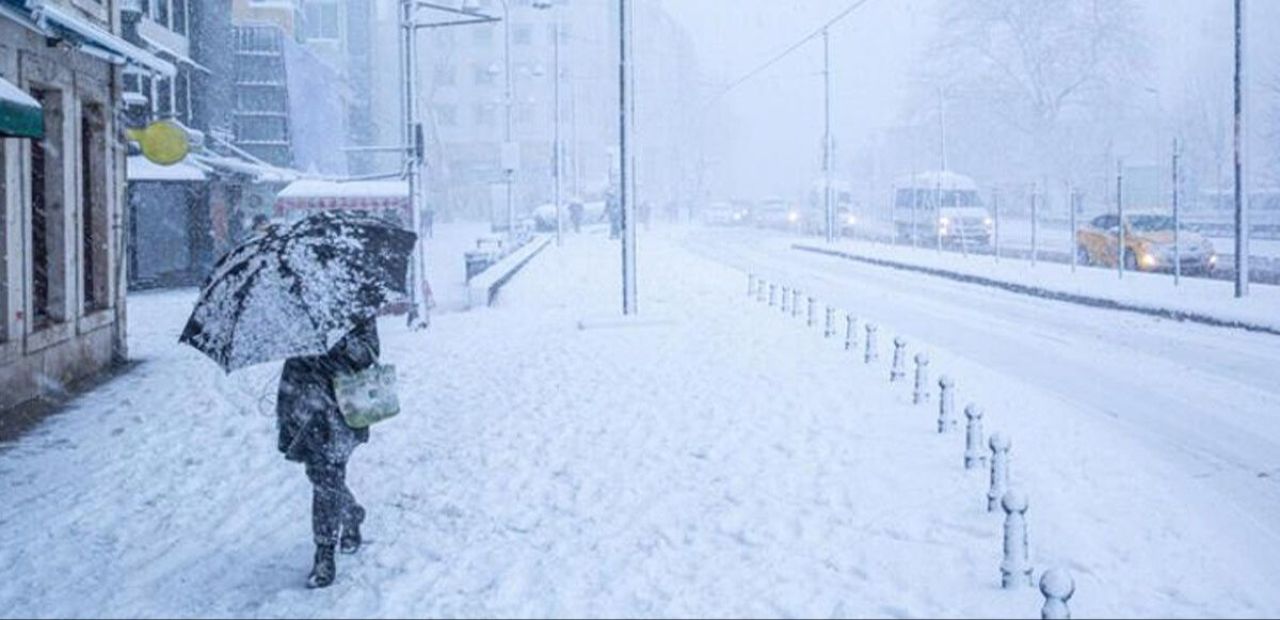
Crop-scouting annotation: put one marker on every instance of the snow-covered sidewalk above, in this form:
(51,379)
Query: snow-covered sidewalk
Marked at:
(717,459)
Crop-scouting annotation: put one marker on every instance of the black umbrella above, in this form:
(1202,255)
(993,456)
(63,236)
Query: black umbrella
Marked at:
(297,290)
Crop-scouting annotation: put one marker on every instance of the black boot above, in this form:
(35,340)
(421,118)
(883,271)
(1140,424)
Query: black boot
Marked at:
(351,539)
(324,571)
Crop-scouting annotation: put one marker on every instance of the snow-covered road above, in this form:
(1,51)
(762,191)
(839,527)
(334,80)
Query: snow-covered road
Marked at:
(719,459)
(1207,398)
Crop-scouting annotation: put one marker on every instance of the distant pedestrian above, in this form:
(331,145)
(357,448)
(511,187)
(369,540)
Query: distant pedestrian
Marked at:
(575,216)
(615,216)
(260,224)
(314,432)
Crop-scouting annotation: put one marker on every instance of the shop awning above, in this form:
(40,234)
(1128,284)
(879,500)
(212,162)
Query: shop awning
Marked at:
(20,115)
(322,194)
(232,165)
(164,50)
(186,171)
(95,39)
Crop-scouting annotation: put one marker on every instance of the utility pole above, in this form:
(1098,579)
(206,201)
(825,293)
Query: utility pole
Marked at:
(1241,199)
(629,302)
(1177,221)
(1120,249)
(826,138)
(510,151)
(412,143)
(556,157)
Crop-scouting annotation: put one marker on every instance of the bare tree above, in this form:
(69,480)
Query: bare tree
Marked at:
(1033,65)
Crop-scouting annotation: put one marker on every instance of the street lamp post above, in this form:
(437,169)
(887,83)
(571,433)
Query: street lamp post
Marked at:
(629,302)
(412,140)
(509,152)
(555,146)
(827,155)
(1241,198)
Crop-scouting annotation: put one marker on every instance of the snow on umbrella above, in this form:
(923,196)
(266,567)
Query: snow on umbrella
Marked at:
(297,290)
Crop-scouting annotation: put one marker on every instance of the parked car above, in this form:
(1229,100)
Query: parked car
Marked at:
(815,213)
(779,214)
(1148,242)
(725,214)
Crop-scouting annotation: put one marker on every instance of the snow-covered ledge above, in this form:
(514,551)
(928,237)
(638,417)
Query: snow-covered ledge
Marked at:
(484,287)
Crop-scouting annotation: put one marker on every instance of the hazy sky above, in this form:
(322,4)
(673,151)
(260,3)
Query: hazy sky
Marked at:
(777,117)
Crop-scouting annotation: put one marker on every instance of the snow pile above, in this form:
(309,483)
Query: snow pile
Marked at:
(1149,291)
(723,460)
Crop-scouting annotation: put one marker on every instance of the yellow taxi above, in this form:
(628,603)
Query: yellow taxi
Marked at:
(1148,242)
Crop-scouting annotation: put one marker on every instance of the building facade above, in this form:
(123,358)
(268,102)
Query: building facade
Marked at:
(61,217)
(463,87)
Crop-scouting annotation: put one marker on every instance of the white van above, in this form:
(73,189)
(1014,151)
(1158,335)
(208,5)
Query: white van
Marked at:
(941,207)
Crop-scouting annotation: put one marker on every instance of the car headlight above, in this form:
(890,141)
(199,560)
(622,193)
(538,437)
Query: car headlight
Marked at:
(793,217)
(1149,260)
(988,222)
(851,220)
(944,222)
(1213,259)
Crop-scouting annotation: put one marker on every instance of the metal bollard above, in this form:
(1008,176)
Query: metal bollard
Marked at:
(921,394)
(813,320)
(873,347)
(760,292)
(773,295)
(850,332)
(946,404)
(751,284)
(1000,446)
(1015,570)
(974,456)
(795,303)
(1058,587)
(786,296)
(898,371)
(830,330)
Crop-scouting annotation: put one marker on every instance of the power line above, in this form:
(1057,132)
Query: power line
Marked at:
(788,51)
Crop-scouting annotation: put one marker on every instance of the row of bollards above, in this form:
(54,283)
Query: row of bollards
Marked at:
(1016,569)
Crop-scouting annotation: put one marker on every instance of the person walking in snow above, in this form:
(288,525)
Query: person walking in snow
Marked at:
(313,432)
(575,216)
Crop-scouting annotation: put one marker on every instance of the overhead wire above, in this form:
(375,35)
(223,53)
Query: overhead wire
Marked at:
(779,57)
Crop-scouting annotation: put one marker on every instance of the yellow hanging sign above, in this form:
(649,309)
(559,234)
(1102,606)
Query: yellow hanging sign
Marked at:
(163,142)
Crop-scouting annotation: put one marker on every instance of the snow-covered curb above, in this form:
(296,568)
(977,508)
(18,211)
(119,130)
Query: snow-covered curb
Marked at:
(483,289)
(1096,301)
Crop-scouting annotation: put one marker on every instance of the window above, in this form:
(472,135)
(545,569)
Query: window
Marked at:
(182,97)
(163,103)
(48,264)
(160,12)
(180,16)
(93,208)
(322,20)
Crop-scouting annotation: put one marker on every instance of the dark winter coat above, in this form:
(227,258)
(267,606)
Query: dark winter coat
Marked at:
(311,426)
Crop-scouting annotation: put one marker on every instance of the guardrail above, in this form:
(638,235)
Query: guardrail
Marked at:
(483,288)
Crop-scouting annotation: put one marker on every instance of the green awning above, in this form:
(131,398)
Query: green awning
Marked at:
(20,115)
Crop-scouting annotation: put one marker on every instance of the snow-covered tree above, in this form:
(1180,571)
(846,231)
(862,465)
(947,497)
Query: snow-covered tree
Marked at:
(1040,72)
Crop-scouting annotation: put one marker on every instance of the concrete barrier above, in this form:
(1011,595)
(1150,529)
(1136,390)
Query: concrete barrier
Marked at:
(483,289)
